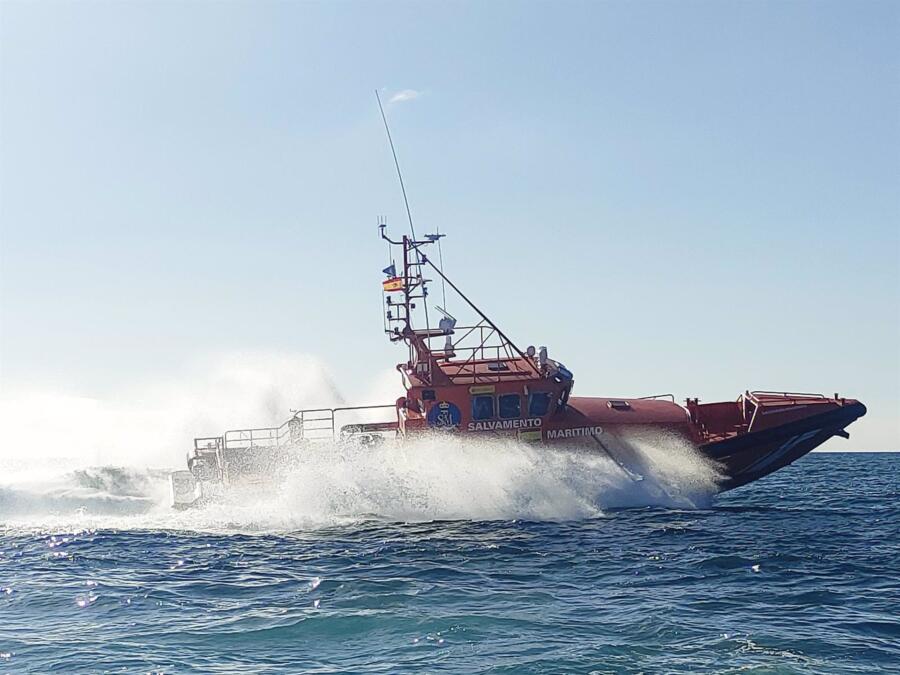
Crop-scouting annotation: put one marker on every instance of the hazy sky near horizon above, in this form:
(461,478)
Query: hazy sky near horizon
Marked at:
(695,197)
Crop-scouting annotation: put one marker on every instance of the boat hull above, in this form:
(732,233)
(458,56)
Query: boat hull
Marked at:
(751,456)
(592,425)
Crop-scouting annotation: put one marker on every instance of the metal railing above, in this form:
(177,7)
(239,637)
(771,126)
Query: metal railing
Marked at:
(785,394)
(209,443)
(671,397)
(251,438)
(478,344)
(790,398)
(313,425)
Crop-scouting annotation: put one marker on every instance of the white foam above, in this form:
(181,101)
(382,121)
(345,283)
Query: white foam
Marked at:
(437,478)
(70,462)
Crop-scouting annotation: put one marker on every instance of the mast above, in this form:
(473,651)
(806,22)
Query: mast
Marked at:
(412,284)
(412,229)
(422,358)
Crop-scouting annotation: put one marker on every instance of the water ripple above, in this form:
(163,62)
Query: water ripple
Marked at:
(799,573)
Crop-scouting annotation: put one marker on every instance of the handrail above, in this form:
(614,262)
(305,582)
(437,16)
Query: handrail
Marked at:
(785,394)
(364,407)
(297,427)
(311,410)
(656,396)
(209,442)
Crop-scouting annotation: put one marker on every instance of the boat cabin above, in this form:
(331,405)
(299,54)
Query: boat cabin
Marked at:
(514,394)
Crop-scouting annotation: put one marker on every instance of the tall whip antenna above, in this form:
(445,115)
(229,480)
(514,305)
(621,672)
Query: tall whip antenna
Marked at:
(397,164)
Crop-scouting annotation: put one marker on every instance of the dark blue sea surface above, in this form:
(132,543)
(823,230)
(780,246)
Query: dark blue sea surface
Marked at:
(798,573)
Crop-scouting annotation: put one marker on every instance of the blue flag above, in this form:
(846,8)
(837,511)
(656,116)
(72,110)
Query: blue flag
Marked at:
(391,270)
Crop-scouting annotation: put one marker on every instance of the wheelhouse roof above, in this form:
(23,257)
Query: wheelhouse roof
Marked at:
(486,371)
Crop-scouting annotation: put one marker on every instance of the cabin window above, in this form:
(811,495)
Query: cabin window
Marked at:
(538,404)
(510,405)
(482,407)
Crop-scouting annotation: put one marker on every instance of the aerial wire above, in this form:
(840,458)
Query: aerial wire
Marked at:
(441,259)
(412,229)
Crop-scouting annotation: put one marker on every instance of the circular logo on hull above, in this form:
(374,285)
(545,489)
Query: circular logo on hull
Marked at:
(444,415)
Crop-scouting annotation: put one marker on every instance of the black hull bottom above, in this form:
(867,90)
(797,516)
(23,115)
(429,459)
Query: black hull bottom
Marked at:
(749,457)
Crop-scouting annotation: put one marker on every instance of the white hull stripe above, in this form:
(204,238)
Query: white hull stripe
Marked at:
(775,455)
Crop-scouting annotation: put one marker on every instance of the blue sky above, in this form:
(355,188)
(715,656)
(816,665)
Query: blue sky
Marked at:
(696,197)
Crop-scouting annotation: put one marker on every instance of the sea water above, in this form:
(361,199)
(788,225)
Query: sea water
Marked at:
(455,557)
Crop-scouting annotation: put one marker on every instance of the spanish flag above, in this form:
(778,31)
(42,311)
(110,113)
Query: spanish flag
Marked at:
(392,284)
